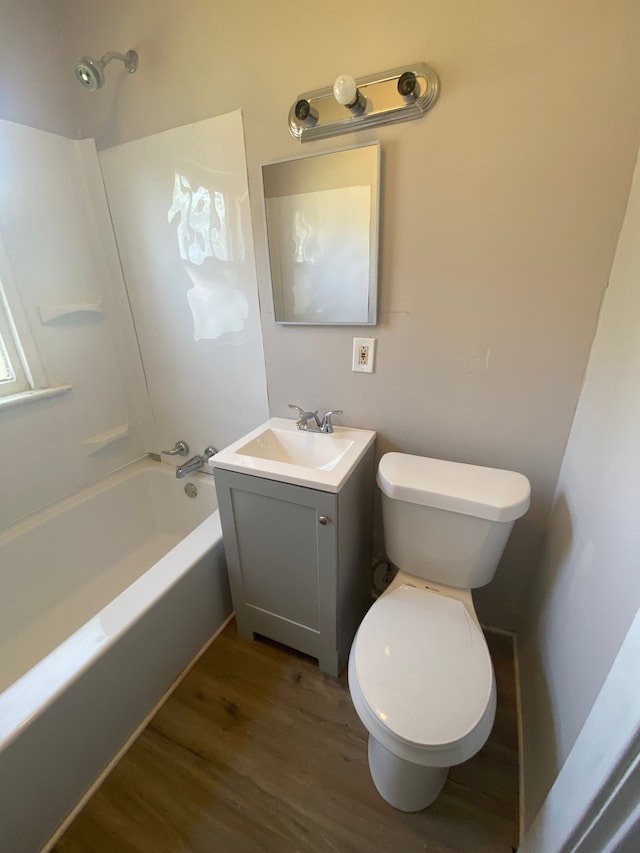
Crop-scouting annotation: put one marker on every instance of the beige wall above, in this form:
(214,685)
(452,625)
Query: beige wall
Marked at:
(501,208)
(35,85)
(589,587)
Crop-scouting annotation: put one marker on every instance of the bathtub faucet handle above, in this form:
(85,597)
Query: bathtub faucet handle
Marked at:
(181,449)
(209,452)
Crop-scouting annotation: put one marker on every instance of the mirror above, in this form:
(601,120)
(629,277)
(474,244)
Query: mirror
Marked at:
(322,228)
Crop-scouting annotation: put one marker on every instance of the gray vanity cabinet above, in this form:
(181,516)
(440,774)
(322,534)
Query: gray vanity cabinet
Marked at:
(299,559)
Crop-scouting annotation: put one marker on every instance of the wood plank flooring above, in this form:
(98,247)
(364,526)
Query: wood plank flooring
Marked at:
(257,751)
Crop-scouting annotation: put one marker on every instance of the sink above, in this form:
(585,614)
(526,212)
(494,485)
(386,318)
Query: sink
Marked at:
(297,448)
(277,450)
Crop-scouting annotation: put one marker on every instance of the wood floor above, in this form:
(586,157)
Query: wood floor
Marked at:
(257,751)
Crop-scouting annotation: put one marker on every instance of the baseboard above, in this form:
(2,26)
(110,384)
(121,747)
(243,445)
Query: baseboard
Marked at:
(516,662)
(516,668)
(130,741)
(503,632)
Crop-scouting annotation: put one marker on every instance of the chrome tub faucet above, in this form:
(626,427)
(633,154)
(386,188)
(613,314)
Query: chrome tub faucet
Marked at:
(195,463)
(181,448)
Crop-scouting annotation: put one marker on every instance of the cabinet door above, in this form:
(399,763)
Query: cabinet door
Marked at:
(281,557)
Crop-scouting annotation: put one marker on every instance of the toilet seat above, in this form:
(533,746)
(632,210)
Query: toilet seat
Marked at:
(422,675)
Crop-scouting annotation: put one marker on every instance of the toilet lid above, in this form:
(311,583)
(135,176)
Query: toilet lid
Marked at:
(423,666)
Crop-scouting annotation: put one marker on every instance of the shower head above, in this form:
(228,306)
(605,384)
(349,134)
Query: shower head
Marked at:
(90,72)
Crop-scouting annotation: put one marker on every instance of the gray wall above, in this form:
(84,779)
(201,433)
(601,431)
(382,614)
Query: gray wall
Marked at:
(501,208)
(588,589)
(34,82)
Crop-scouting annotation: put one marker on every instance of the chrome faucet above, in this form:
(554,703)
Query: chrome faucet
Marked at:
(327,426)
(195,463)
(181,449)
(322,426)
(305,417)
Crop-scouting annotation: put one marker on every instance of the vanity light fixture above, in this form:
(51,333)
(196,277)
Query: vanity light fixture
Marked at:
(401,94)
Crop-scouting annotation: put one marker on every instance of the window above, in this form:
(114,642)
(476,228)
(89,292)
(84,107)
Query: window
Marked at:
(13,377)
(6,370)
(22,378)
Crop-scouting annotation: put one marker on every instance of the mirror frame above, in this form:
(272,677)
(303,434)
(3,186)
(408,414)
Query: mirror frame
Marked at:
(373,183)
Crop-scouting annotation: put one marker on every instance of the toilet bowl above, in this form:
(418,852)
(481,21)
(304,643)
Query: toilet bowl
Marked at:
(422,682)
(420,674)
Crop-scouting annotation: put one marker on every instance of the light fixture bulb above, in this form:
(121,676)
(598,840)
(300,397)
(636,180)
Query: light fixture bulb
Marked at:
(344,90)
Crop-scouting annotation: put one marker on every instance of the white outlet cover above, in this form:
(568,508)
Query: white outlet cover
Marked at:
(369,345)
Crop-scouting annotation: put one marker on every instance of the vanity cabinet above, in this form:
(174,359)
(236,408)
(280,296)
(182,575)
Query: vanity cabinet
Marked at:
(299,559)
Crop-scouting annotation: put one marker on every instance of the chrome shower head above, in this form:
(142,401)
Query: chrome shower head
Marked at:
(90,72)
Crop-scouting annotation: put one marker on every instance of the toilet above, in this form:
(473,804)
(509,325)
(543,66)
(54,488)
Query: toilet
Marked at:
(420,675)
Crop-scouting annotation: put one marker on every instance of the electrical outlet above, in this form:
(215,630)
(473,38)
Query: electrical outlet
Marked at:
(363,354)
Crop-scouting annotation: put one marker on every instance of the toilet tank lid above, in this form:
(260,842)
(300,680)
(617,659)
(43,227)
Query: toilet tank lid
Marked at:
(488,493)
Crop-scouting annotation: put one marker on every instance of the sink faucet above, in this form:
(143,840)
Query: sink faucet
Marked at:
(327,426)
(195,463)
(322,426)
(305,417)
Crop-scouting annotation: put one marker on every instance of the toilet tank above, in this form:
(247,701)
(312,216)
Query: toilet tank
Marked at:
(448,522)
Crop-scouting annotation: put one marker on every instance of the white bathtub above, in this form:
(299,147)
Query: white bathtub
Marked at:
(104,599)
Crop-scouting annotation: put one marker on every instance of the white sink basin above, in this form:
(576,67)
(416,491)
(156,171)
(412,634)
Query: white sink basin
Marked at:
(297,448)
(277,450)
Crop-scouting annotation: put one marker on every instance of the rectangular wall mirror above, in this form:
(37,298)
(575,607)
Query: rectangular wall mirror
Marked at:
(322,227)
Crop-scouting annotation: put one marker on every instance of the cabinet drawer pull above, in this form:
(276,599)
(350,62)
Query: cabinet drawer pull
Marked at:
(323,519)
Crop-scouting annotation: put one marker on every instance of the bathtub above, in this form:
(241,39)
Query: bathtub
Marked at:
(105,598)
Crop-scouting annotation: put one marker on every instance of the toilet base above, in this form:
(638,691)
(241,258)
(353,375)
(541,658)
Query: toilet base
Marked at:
(404,785)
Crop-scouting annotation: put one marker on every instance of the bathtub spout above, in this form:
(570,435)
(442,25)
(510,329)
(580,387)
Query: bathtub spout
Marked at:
(195,463)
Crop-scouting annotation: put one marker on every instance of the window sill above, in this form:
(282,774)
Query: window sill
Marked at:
(32,396)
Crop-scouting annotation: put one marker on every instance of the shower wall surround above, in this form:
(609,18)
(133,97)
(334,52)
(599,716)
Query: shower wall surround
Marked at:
(179,204)
(180,210)
(52,215)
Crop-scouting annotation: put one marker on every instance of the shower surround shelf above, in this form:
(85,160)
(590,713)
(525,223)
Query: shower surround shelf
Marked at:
(50,313)
(103,439)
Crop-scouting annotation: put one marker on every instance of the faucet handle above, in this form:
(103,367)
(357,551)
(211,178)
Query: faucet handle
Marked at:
(301,420)
(327,426)
(209,452)
(181,449)
(304,417)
